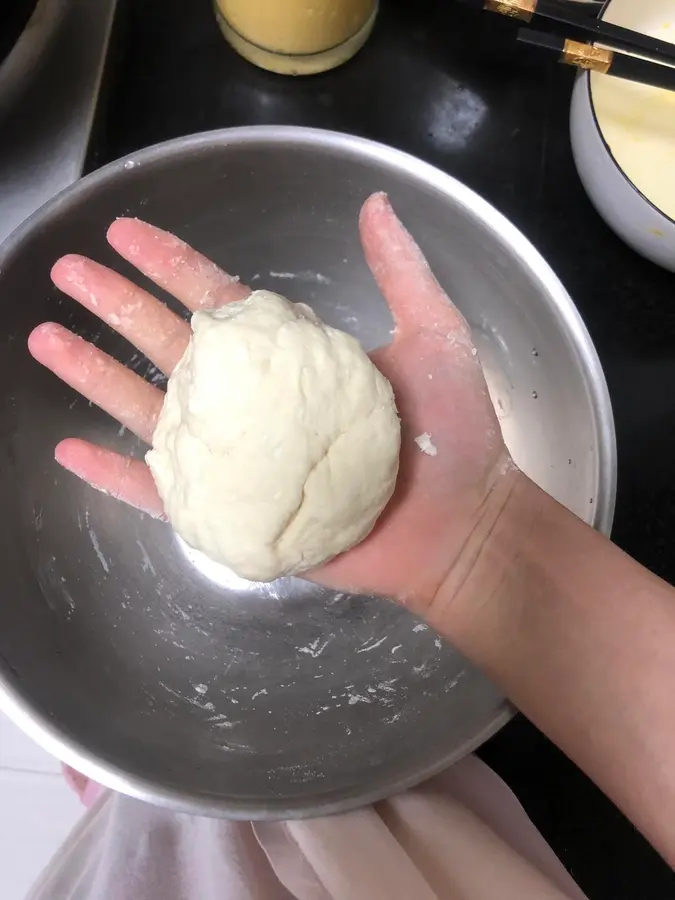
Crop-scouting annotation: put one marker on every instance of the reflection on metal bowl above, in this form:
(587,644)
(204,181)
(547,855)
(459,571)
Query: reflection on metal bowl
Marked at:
(163,676)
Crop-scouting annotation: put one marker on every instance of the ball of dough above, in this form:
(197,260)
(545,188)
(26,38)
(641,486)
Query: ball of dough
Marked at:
(277,446)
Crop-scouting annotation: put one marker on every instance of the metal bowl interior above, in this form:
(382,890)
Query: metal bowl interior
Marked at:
(168,678)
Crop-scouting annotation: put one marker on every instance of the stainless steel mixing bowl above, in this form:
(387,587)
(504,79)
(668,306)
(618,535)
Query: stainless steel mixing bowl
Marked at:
(170,679)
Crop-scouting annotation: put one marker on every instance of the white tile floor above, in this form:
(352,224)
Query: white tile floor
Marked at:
(37,810)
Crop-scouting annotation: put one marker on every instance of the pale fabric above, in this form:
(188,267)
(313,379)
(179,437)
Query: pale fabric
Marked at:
(462,836)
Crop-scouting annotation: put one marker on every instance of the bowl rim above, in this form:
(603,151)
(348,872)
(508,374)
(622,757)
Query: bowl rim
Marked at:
(590,78)
(70,750)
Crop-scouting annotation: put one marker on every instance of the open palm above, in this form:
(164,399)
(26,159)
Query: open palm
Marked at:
(431,363)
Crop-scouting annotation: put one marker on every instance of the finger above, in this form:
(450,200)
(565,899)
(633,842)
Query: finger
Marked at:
(402,273)
(119,476)
(149,325)
(192,278)
(98,377)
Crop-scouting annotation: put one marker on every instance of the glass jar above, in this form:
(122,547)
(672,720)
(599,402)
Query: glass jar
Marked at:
(296,37)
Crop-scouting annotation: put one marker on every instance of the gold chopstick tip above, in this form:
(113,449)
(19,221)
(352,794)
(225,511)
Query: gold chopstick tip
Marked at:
(515,9)
(586,56)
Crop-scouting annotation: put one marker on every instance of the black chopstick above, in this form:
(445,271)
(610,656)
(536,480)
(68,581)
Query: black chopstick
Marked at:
(600,59)
(572,15)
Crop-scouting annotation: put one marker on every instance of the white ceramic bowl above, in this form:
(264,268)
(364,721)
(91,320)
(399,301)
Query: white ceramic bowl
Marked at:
(609,153)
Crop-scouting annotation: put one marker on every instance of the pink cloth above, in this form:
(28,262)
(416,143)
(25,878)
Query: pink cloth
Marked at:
(460,836)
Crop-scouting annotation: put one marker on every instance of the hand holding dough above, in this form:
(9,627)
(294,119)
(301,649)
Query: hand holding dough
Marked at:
(277,445)
(431,363)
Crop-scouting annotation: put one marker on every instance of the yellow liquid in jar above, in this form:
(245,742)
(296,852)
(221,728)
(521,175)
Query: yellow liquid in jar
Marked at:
(296,36)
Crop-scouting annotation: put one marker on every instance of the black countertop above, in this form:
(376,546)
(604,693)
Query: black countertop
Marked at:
(447,84)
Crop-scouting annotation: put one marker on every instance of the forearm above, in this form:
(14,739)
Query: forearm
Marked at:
(582,639)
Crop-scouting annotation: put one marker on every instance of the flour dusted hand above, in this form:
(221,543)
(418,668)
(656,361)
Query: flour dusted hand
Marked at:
(441,501)
(277,445)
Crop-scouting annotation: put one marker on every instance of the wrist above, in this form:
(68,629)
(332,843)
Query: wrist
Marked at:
(475,595)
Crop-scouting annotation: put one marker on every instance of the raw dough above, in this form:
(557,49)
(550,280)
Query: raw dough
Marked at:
(277,446)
